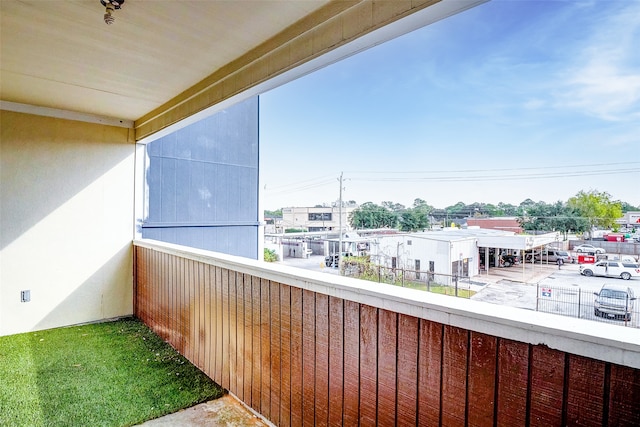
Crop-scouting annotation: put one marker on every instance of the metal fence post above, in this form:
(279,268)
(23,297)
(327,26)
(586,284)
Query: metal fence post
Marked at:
(579,300)
(537,295)
(626,310)
(456,280)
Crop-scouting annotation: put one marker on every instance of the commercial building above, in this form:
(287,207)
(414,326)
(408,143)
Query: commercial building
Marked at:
(325,218)
(451,251)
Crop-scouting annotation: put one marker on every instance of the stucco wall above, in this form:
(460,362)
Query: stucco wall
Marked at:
(66,222)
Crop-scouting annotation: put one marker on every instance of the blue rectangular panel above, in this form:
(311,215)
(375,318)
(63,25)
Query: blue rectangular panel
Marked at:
(203,183)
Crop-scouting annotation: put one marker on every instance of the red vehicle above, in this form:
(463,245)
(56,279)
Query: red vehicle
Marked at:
(614,237)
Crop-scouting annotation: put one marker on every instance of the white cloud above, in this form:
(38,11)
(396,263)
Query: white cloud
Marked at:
(603,79)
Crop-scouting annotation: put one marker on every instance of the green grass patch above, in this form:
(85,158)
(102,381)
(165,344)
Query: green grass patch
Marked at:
(106,374)
(440,289)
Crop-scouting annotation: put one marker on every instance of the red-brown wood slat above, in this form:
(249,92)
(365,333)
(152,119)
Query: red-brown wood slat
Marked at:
(322,360)
(233,332)
(240,328)
(624,396)
(256,372)
(149,294)
(351,363)
(336,360)
(387,366)
(482,379)
(140,279)
(203,343)
(407,371)
(186,310)
(454,375)
(165,279)
(213,292)
(265,349)
(285,356)
(248,354)
(208,320)
(158,297)
(547,386)
(183,305)
(429,372)
(368,366)
(513,374)
(226,329)
(168,326)
(175,284)
(141,285)
(196,307)
(176,296)
(585,394)
(275,365)
(153,285)
(308,357)
(191,334)
(297,340)
(219,325)
(170,282)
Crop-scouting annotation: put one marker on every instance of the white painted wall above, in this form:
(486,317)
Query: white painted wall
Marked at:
(66,222)
(441,252)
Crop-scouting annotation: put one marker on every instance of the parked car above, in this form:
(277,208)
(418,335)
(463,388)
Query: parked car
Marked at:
(614,301)
(552,255)
(589,249)
(606,268)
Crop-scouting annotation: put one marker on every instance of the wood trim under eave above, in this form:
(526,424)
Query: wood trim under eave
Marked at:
(65,114)
(330,27)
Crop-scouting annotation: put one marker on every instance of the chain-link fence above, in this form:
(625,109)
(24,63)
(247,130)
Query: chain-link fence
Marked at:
(619,307)
(415,279)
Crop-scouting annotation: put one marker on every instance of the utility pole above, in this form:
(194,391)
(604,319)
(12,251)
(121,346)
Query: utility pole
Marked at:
(340,225)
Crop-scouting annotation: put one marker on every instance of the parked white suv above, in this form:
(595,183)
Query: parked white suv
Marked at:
(614,301)
(606,268)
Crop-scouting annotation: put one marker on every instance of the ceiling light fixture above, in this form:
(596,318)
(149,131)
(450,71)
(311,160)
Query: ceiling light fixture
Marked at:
(110,5)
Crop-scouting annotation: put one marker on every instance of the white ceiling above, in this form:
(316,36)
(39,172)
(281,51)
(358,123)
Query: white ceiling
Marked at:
(61,54)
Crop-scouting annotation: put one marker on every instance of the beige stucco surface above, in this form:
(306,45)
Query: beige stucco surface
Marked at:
(66,221)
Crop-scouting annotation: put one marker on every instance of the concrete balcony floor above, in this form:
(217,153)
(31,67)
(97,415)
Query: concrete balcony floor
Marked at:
(226,411)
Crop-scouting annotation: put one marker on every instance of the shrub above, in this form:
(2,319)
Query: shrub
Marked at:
(270,255)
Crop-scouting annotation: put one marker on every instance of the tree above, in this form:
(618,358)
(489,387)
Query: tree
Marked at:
(559,217)
(414,219)
(597,208)
(370,215)
(394,207)
(273,214)
(506,209)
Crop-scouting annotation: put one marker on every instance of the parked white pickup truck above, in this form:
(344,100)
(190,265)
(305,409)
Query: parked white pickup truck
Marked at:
(623,270)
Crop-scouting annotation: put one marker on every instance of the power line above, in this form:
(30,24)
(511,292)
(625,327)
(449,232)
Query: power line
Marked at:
(500,177)
(454,176)
(498,169)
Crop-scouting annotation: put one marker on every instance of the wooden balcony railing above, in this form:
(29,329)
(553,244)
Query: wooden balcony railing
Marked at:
(305,348)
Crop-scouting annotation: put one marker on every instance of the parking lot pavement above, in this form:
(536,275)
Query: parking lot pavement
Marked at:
(515,286)
(313,263)
(512,294)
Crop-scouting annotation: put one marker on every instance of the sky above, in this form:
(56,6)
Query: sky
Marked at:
(507,101)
